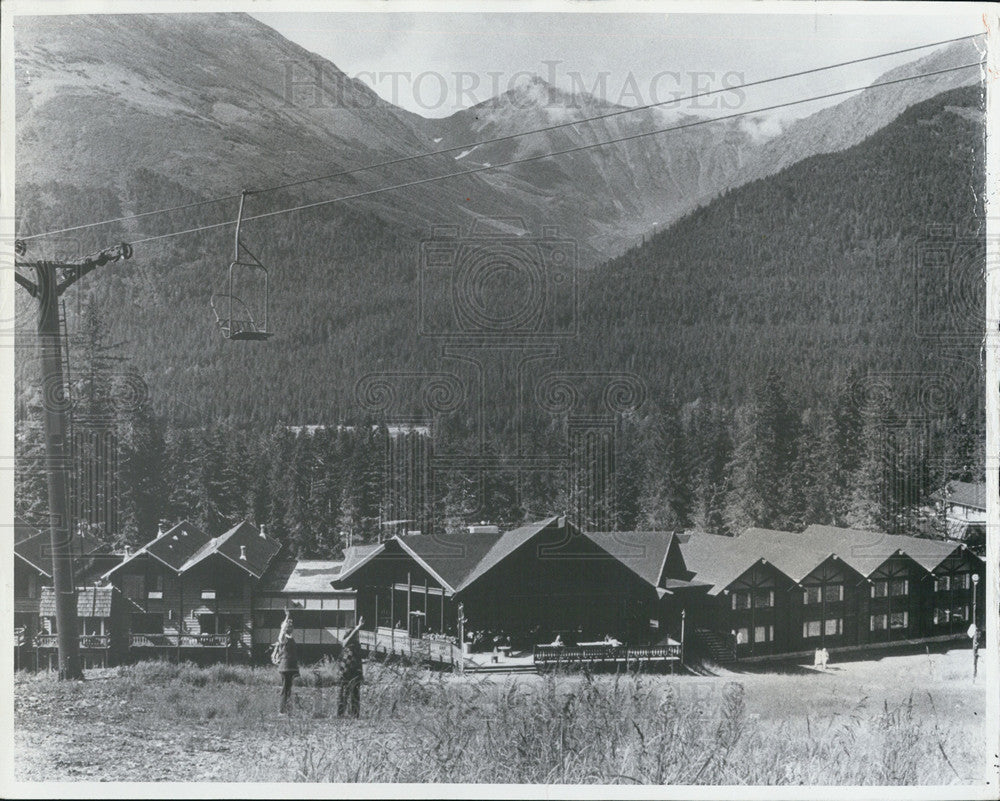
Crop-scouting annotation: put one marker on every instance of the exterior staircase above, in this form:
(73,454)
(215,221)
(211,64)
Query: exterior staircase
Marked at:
(713,646)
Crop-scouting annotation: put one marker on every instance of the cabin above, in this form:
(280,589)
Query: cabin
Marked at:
(303,588)
(100,614)
(33,573)
(784,593)
(523,588)
(962,507)
(190,596)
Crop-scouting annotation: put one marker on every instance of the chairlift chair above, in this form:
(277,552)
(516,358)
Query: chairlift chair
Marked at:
(234,316)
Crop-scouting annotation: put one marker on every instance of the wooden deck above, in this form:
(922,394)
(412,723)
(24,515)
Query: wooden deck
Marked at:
(398,641)
(597,655)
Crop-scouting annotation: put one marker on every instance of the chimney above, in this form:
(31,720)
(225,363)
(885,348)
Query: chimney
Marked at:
(263,535)
(243,552)
(159,530)
(127,551)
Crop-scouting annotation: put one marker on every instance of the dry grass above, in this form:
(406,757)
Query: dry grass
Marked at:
(422,727)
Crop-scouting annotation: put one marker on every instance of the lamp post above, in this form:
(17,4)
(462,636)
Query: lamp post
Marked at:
(975,627)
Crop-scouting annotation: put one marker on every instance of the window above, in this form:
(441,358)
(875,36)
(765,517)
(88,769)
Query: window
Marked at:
(899,620)
(811,595)
(960,581)
(833,592)
(763,634)
(960,612)
(208,595)
(900,587)
(880,588)
(741,600)
(763,599)
(742,636)
(942,584)
(879,622)
(833,626)
(811,628)
(32,585)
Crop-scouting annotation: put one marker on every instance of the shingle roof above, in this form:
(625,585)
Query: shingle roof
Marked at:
(33,546)
(176,545)
(243,545)
(501,546)
(866,551)
(90,601)
(642,552)
(455,559)
(717,560)
(793,554)
(964,493)
(300,576)
(722,560)
(357,555)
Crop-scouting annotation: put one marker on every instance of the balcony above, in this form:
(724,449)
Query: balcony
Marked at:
(87,641)
(593,653)
(157,640)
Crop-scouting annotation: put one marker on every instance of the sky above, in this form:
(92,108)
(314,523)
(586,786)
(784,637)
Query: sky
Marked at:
(434,64)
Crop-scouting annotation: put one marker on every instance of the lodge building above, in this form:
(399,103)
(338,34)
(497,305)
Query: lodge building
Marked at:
(535,588)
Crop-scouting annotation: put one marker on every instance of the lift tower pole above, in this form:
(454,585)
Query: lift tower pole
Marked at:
(52,279)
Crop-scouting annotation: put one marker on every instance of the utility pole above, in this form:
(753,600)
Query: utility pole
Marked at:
(52,280)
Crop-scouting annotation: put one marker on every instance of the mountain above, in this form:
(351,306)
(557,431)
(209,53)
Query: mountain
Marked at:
(206,104)
(868,259)
(629,188)
(124,114)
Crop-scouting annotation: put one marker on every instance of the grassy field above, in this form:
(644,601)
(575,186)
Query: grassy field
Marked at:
(914,719)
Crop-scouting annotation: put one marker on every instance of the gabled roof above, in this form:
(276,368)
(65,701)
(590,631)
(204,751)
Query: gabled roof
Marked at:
(90,601)
(964,493)
(243,545)
(642,552)
(288,576)
(717,560)
(793,554)
(171,548)
(502,546)
(34,548)
(866,551)
(454,561)
(355,556)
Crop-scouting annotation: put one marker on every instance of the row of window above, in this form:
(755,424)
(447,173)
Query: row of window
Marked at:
(895,620)
(957,581)
(831,593)
(959,612)
(832,627)
(761,599)
(760,634)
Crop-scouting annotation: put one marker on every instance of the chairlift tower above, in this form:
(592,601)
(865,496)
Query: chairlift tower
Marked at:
(52,279)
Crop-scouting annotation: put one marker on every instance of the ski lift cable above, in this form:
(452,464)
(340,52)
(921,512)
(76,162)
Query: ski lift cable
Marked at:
(556,126)
(578,148)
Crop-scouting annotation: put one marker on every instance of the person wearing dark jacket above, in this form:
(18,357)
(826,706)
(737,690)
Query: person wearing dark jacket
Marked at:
(351,676)
(285,659)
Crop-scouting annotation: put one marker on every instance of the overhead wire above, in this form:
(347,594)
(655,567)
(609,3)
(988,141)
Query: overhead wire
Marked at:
(537,157)
(508,137)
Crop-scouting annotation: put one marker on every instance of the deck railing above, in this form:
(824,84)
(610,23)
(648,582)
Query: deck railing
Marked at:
(157,640)
(578,654)
(398,641)
(86,641)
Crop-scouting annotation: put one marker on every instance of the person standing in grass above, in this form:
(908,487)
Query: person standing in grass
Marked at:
(284,657)
(351,676)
